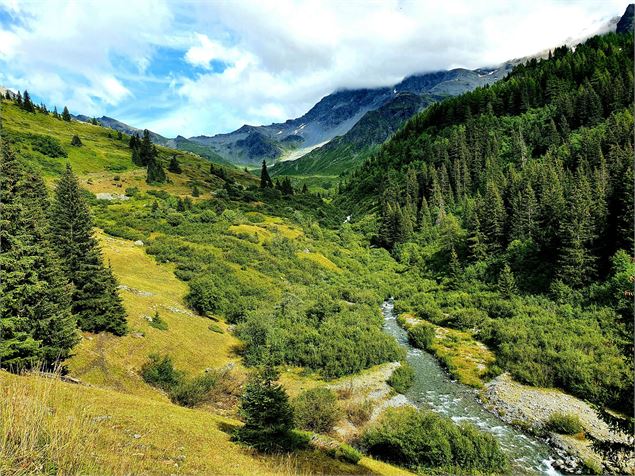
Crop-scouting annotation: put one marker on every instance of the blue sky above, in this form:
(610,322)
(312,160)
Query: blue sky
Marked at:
(207,67)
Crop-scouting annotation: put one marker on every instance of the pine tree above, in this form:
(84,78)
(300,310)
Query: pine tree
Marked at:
(27,104)
(119,135)
(265,408)
(174,165)
(155,172)
(265,179)
(576,263)
(18,99)
(455,270)
(36,324)
(195,191)
(305,189)
(146,149)
(95,301)
(507,282)
(524,219)
(424,220)
(66,116)
(76,141)
(56,114)
(492,215)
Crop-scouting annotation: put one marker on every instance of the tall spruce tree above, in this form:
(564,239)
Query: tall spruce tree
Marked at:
(66,116)
(265,179)
(155,172)
(95,300)
(577,263)
(36,324)
(146,149)
(27,104)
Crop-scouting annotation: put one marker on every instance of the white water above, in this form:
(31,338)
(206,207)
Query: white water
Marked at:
(434,389)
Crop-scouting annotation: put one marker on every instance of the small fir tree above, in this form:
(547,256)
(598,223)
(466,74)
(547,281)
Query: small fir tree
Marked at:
(174,165)
(76,141)
(265,179)
(265,408)
(507,282)
(27,104)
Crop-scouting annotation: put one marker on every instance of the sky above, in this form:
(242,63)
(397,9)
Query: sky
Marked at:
(207,67)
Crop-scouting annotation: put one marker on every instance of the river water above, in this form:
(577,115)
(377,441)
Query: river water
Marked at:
(434,389)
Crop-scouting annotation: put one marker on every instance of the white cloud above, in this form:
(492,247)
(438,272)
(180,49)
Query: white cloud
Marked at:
(77,41)
(282,56)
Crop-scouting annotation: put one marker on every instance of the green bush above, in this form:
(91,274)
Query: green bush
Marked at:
(402,378)
(345,453)
(190,393)
(564,423)
(159,372)
(46,145)
(423,439)
(316,410)
(421,335)
(359,412)
(430,311)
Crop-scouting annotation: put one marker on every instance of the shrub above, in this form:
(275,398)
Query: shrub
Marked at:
(345,453)
(159,372)
(402,378)
(430,311)
(76,141)
(190,393)
(421,335)
(564,423)
(359,412)
(466,318)
(423,439)
(316,410)
(46,145)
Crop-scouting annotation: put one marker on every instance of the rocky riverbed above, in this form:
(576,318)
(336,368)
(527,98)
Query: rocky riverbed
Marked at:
(530,408)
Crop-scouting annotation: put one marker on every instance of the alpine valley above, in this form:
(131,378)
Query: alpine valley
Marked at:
(433,277)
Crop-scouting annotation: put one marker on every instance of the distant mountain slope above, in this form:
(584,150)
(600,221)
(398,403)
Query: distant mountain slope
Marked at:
(345,151)
(178,142)
(336,114)
(124,128)
(332,115)
(625,24)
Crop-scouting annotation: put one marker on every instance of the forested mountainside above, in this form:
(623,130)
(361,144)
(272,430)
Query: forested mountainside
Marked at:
(526,185)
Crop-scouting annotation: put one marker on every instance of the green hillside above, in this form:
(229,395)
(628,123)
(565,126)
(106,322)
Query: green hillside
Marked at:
(205,262)
(519,197)
(500,221)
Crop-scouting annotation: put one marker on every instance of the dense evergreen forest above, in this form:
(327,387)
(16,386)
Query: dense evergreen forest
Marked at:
(526,188)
